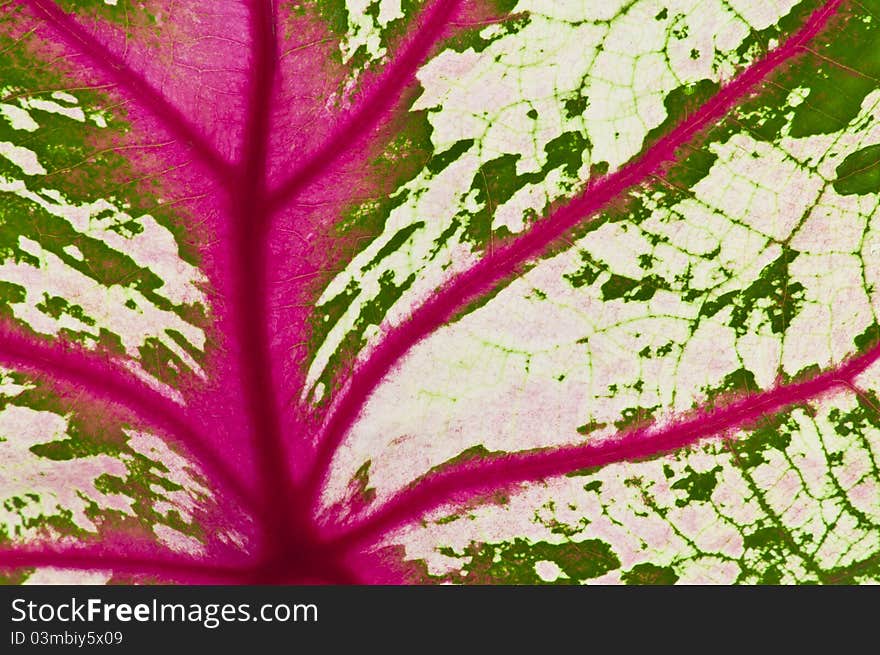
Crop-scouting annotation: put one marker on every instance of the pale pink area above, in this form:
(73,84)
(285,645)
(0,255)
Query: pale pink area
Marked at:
(837,310)
(734,500)
(780,481)
(800,515)
(707,570)
(707,358)
(844,543)
(768,193)
(700,522)
(834,224)
(865,497)
(51,575)
(760,354)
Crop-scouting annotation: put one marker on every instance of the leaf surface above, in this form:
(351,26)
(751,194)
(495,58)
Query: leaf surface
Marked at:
(473,292)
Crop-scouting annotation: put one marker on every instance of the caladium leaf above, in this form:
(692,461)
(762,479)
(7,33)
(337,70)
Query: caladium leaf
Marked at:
(454,291)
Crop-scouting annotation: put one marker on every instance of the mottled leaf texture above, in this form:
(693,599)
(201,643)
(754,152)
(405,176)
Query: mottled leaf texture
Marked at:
(453,291)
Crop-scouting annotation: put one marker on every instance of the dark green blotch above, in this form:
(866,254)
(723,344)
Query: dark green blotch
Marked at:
(372,314)
(566,151)
(181,341)
(590,427)
(579,560)
(586,274)
(474,453)
(679,28)
(698,486)
(55,306)
(497,180)
(389,293)
(680,102)
(394,243)
(408,152)
(868,338)
(859,420)
(864,570)
(503,6)
(445,235)
(335,15)
(772,433)
(859,173)
(628,289)
(649,574)
(361,224)
(440,161)
(122,12)
(598,169)
(160,361)
(473,39)
(361,481)
(741,380)
(80,443)
(576,106)
(846,73)
(632,416)
(781,298)
(618,286)
(332,311)
(691,169)
(368,218)
(665,349)
(10,293)
(127,229)
(769,538)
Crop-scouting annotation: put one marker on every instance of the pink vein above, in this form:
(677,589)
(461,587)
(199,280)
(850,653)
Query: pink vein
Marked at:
(169,567)
(368,112)
(488,474)
(506,260)
(250,257)
(104,379)
(123,75)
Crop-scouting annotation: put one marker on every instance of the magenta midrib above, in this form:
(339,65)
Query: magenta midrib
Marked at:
(430,491)
(253,212)
(250,314)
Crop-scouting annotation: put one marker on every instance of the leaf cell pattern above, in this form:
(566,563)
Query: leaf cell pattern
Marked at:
(454,291)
